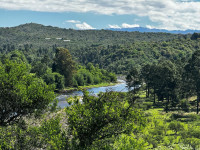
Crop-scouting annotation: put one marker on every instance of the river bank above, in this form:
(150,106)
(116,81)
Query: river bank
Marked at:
(120,86)
(72,89)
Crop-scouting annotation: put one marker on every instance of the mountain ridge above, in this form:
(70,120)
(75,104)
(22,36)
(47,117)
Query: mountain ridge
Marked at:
(135,29)
(143,29)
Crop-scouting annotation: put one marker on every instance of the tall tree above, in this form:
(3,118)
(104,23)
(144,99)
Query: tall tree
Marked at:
(193,70)
(166,83)
(64,64)
(145,73)
(133,79)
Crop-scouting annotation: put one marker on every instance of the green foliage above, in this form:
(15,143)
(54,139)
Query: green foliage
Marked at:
(125,142)
(6,138)
(156,61)
(192,71)
(92,75)
(195,36)
(43,71)
(112,50)
(64,64)
(17,56)
(121,58)
(20,92)
(48,136)
(59,80)
(175,126)
(39,68)
(98,119)
(52,134)
(185,105)
(191,137)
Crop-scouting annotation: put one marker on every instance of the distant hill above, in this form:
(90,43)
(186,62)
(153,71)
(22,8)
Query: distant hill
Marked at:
(38,35)
(142,29)
(115,51)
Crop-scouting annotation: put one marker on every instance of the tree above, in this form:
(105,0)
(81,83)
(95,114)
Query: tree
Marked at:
(133,79)
(164,79)
(98,119)
(64,64)
(193,71)
(20,92)
(39,68)
(168,82)
(145,73)
(17,56)
(195,36)
(59,81)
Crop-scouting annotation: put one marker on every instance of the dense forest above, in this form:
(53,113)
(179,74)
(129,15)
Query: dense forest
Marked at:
(160,111)
(111,50)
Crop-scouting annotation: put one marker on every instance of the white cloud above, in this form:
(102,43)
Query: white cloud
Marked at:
(72,21)
(84,26)
(170,14)
(114,26)
(149,27)
(125,25)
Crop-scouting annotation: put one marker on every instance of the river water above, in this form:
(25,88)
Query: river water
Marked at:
(120,87)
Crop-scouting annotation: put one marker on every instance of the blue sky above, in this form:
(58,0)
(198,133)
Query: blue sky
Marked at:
(101,14)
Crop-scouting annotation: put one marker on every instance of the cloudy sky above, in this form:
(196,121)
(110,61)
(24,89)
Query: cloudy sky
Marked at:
(102,14)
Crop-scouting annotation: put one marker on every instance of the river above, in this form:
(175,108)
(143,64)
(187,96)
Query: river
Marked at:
(120,87)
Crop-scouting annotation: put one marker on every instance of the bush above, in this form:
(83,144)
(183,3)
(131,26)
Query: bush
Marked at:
(100,119)
(185,105)
(21,93)
(176,126)
(127,142)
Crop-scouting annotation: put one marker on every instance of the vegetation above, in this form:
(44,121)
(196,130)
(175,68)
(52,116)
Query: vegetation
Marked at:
(64,72)
(97,120)
(112,50)
(159,112)
(20,92)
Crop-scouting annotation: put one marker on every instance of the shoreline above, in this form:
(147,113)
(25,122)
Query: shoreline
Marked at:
(65,91)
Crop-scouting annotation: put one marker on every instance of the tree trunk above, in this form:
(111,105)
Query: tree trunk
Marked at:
(146,91)
(167,104)
(154,94)
(197,103)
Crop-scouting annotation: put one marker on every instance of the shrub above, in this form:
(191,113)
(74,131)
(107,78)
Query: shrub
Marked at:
(176,126)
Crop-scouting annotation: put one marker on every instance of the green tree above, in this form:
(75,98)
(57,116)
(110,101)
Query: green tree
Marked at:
(165,81)
(64,64)
(40,69)
(49,135)
(20,92)
(195,36)
(133,78)
(193,72)
(145,73)
(59,81)
(17,56)
(99,119)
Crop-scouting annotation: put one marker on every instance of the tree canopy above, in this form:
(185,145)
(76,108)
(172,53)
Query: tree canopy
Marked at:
(20,92)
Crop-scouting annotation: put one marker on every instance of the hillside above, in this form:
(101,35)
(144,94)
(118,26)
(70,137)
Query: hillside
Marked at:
(115,51)
(45,36)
